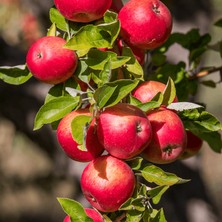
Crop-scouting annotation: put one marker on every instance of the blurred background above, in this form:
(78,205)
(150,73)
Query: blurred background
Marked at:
(33,169)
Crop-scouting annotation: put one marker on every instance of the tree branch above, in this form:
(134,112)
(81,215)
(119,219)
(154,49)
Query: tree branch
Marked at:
(206,72)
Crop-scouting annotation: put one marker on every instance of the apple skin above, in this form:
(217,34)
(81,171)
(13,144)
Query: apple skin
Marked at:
(82,11)
(49,62)
(169,137)
(116,5)
(194,145)
(70,146)
(107,182)
(148,89)
(124,130)
(146,24)
(93,214)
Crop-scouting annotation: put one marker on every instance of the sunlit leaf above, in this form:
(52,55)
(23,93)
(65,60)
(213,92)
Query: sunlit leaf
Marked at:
(15,75)
(75,210)
(54,110)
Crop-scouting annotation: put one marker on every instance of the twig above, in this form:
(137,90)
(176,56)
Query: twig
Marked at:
(206,72)
(122,216)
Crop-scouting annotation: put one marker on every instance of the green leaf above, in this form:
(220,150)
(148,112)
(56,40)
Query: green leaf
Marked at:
(134,216)
(103,94)
(218,23)
(83,72)
(75,210)
(157,192)
(169,93)
(79,127)
(154,174)
(199,120)
(15,75)
(158,216)
(110,16)
(112,93)
(52,30)
(209,83)
(54,110)
(133,66)
(135,163)
(57,18)
(156,102)
(88,37)
(96,59)
(212,138)
(113,28)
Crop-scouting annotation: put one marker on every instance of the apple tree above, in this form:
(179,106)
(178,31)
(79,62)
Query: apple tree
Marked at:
(117,103)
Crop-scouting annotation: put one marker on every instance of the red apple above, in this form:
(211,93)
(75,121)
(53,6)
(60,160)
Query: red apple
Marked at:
(194,145)
(93,214)
(107,182)
(116,5)
(169,137)
(82,11)
(49,62)
(148,89)
(70,146)
(124,130)
(145,23)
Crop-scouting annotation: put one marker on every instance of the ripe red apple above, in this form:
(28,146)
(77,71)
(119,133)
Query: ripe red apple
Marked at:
(124,130)
(116,5)
(93,214)
(148,89)
(193,146)
(145,23)
(82,11)
(70,146)
(169,137)
(107,182)
(49,62)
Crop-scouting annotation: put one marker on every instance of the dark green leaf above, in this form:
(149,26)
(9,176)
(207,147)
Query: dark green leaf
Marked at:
(79,130)
(156,102)
(15,75)
(112,93)
(54,110)
(103,94)
(159,216)
(135,163)
(134,216)
(169,93)
(157,192)
(209,83)
(74,209)
(133,66)
(218,23)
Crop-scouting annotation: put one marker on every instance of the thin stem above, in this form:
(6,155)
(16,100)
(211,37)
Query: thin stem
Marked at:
(206,72)
(122,216)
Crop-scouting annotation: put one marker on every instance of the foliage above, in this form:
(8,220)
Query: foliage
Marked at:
(100,70)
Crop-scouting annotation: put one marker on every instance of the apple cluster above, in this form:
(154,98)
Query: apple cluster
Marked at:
(110,136)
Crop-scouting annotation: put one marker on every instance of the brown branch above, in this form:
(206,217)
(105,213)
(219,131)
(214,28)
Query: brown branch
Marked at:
(206,72)
(122,216)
